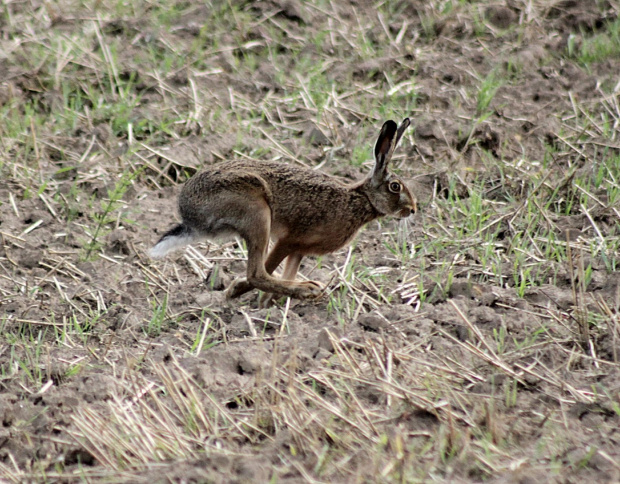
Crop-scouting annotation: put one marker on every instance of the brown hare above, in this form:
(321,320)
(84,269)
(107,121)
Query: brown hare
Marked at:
(303,211)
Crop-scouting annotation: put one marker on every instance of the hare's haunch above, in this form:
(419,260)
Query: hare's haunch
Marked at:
(303,211)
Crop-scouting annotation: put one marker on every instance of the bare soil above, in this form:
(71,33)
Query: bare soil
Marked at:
(118,368)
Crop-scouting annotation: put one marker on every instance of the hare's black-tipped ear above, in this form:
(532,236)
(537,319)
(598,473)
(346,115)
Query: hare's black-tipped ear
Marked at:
(401,129)
(383,149)
(386,143)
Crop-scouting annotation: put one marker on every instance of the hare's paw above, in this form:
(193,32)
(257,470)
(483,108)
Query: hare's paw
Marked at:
(237,288)
(312,289)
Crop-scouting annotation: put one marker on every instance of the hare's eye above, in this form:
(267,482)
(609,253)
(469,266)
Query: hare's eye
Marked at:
(394,187)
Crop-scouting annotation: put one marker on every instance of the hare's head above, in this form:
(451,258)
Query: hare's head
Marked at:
(387,193)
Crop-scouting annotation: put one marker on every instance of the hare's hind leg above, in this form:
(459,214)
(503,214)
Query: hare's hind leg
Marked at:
(255,229)
(291,266)
(277,255)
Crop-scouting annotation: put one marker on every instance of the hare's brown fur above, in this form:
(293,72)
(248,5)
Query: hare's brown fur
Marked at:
(303,211)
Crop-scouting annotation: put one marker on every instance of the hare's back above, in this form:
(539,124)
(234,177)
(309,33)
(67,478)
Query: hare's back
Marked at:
(301,191)
(282,173)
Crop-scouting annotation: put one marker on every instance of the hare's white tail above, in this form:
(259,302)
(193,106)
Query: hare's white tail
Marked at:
(175,238)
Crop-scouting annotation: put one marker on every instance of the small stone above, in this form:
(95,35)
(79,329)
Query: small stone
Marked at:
(373,322)
(324,340)
(118,242)
(30,258)
(461,288)
(316,137)
(322,354)
(500,16)
(217,279)
(249,364)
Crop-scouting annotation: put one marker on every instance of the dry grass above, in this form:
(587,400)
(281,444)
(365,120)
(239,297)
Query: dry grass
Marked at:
(480,342)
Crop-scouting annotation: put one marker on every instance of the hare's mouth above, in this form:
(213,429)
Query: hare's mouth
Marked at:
(405,212)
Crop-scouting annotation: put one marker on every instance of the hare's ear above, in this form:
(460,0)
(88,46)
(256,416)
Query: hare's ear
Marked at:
(386,143)
(401,129)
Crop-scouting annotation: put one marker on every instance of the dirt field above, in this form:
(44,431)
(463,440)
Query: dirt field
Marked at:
(478,342)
